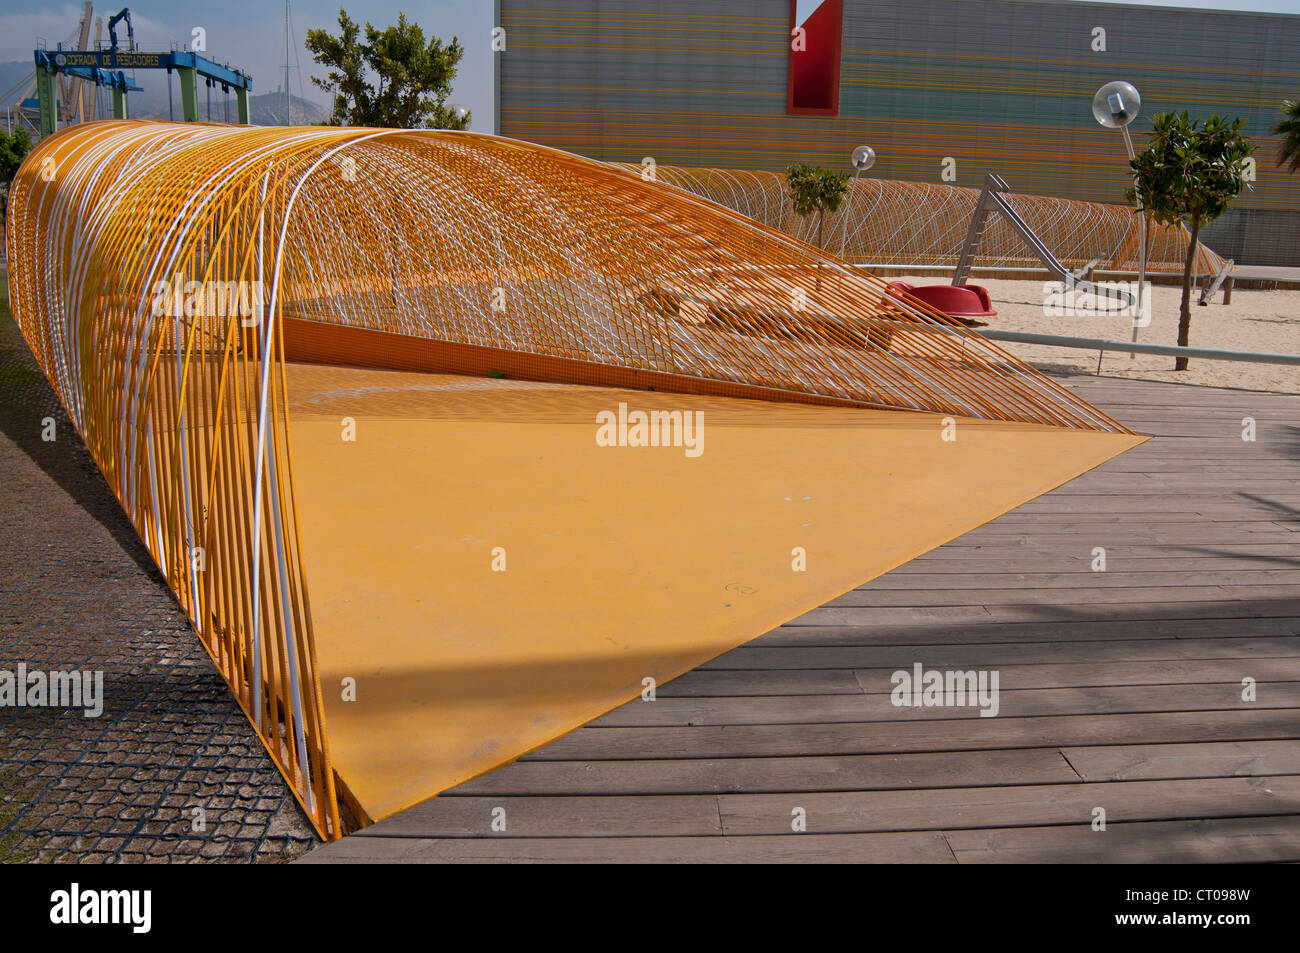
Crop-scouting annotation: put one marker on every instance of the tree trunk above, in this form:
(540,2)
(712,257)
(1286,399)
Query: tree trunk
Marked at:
(1185,314)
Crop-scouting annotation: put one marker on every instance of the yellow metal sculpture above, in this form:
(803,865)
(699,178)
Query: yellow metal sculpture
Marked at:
(163,274)
(883,222)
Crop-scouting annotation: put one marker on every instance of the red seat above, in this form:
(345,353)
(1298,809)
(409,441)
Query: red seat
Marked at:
(958,301)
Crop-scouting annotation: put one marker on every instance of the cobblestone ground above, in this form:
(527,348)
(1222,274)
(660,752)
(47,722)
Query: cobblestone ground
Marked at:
(79,591)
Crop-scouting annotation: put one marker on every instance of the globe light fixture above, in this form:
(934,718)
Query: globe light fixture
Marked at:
(458,111)
(863,158)
(1116,104)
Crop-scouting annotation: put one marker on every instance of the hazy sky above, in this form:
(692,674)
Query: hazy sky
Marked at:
(250,33)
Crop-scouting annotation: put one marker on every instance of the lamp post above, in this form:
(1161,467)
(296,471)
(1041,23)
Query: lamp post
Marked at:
(1115,106)
(862,158)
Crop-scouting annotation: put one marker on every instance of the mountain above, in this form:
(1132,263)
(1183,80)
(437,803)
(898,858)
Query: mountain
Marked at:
(268,110)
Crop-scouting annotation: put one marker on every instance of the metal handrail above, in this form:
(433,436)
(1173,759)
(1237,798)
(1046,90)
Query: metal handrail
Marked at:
(1173,350)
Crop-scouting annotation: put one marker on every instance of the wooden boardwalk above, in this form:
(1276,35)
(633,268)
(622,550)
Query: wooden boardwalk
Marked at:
(1120,689)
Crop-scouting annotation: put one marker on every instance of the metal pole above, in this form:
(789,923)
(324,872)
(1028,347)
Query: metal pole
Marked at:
(286,63)
(47,92)
(844,215)
(1142,238)
(187,78)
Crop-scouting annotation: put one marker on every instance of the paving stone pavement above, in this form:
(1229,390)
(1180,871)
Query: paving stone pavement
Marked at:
(79,591)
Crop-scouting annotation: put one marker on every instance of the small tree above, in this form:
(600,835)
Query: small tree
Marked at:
(1288,127)
(814,189)
(414,77)
(13,149)
(1188,175)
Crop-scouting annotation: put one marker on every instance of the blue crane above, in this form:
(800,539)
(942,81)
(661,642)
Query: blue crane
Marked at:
(109,67)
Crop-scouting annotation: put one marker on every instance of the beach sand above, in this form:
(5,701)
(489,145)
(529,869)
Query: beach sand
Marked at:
(1257,320)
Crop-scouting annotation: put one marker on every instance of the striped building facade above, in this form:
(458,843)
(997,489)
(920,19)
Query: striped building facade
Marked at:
(971,86)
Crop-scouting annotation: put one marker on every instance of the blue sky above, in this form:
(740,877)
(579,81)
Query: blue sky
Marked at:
(250,33)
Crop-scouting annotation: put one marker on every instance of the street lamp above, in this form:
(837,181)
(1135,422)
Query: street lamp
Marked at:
(1115,106)
(458,112)
(862,158)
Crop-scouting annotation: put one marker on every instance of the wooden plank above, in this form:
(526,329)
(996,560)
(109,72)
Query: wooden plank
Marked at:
(1212,760)
(1067,536)
(788,848)
(760,741)
(1079,631)
(742,682)
(1011,703)
(972,808)
(1120,561)
(968,614)
(706,776)
(966,656)
(848,812)
(1058,597)
(1228,840)
(1113,578)
(1182,495)
(1213,507)
(1271,482)
(1207,470)
(690,815)
(1186,673)
(798,682)
(1014,548)
(1055,530)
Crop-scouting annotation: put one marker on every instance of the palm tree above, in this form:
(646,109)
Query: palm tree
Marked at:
(1289,127)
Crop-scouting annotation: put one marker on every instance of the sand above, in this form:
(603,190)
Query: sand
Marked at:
(1257,320)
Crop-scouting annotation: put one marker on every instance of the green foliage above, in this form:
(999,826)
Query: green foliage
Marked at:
(1288,127)
(13,149)
(1190,172)
(413,76)
(814,189)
